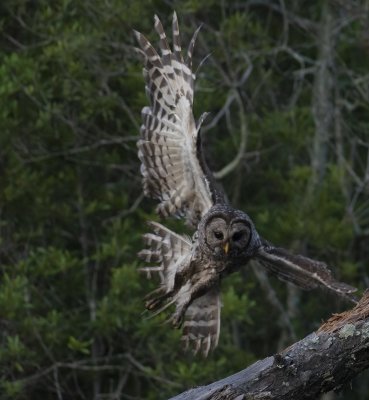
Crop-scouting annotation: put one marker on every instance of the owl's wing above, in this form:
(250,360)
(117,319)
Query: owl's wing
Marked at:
(169,251)
(302,271)
(172,255)
(172,164)
(202,323)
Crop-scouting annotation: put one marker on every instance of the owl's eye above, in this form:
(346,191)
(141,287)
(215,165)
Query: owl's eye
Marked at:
(218,235)
(237,236)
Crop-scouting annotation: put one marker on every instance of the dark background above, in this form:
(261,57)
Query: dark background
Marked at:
(287,85)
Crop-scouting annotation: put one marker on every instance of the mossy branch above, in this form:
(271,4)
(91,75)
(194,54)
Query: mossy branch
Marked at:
(321,362)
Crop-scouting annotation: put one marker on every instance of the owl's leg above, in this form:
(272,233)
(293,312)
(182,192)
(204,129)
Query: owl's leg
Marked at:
(177,317)
(153,303)
(168,291)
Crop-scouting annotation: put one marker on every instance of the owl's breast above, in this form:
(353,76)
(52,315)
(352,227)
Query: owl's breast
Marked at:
(216,263)
(233,264)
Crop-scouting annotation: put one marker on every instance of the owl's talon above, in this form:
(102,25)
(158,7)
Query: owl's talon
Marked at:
(157,291)
(152,304)
(176,320)
(176,324)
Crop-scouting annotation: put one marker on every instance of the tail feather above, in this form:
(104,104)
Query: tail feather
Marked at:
(201,327)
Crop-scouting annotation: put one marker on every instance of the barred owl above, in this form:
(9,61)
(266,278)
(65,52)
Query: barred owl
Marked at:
(175,173)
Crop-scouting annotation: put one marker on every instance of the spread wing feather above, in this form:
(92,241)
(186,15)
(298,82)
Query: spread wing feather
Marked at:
(172,163)
(172,253)
(302,271)
(169,251)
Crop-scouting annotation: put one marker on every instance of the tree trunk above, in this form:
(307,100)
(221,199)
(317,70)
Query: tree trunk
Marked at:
(321,362)
(322,106)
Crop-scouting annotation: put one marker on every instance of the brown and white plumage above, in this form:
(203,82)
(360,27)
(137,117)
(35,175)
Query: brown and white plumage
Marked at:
(175,173)
(302,271)
(169,147)
(175,259)
(201,327)
(167,249)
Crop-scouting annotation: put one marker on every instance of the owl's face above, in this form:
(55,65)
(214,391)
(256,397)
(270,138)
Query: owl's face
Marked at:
(228,234)
(227,237)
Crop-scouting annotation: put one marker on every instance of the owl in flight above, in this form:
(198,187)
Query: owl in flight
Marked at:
(175,173)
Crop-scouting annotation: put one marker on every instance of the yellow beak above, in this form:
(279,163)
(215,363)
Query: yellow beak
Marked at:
(226,247)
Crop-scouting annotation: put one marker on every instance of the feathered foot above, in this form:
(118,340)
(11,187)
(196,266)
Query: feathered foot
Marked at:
(155,304)
(153,301)
(177,317)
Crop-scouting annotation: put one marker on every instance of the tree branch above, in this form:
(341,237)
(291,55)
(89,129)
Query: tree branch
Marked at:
(321,362)
(322,106)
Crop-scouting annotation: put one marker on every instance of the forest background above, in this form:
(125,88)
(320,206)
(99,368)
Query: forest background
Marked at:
(287,85)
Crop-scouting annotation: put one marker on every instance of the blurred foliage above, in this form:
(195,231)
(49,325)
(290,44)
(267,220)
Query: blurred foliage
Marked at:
(71,209)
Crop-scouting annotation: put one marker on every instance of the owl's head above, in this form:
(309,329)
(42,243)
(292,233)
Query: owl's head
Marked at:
(228,234)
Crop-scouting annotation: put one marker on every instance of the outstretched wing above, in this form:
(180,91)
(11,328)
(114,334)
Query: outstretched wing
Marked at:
(172,255)
(302,271)
(169,251)
(202,323)
(172,164)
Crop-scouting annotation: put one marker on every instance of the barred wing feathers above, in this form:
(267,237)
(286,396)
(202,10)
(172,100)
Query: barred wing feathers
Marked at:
(168,250)
(302,271)
(172,164)
(172,255)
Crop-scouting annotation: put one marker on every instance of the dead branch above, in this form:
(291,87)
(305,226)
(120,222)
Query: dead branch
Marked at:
(321,362)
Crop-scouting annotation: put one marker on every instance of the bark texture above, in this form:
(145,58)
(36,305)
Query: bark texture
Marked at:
(322,361)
